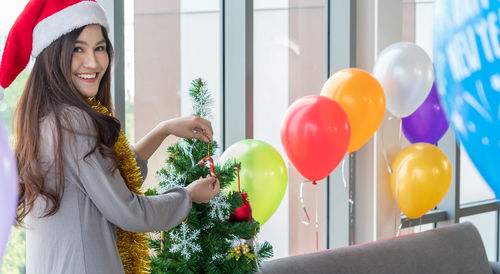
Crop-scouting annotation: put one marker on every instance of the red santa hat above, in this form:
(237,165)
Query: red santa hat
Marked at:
(41,23)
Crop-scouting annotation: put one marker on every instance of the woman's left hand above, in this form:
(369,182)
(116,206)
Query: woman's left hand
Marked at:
(189,127)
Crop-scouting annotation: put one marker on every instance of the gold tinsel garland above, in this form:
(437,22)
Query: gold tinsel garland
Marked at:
(133,247)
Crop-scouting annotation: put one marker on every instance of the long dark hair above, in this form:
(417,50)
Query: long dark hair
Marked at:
(49,88)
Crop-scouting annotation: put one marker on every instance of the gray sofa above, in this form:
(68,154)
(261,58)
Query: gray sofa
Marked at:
(451,249)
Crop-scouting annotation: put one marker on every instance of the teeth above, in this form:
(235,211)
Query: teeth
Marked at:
(87,76)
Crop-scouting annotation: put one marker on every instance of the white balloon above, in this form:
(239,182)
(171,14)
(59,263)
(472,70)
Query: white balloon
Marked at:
(405,72)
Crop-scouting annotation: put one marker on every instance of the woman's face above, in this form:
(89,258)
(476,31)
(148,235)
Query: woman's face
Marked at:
(90,60)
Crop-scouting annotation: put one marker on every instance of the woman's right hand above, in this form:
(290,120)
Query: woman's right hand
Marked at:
(204,189)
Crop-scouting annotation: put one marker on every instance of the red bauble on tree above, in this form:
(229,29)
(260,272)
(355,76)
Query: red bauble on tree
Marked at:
(244,212)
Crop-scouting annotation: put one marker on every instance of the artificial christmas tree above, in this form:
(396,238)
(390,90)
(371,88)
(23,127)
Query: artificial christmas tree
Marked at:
(216,237)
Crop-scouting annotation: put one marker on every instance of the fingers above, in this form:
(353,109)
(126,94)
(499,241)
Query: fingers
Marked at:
(190,127)
(213,186)
(204,127)
(209,179)
(201,136)
(216,187)
(204,189)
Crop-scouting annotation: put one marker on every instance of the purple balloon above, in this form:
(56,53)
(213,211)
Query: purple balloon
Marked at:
(428,123)
(8,189)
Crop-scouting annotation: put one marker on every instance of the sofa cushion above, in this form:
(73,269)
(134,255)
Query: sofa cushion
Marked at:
(495,267)
(452,249)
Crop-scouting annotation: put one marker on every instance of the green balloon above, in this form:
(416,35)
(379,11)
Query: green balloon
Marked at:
(263,175)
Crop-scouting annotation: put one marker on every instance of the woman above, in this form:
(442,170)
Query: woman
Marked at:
(73,187)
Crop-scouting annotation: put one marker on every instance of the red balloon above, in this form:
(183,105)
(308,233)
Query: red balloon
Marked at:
(315,133)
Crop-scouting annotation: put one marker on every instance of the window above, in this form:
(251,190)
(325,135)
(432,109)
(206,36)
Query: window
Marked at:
(174,42)
(272,47)
(289,63)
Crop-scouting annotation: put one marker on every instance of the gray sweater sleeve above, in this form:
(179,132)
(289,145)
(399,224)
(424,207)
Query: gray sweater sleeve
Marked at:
(143,165)
(109,193)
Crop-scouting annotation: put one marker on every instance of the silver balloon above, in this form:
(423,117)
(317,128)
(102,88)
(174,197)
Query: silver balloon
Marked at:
(405,72)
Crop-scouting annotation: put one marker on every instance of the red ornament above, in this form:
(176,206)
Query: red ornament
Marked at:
(242,213)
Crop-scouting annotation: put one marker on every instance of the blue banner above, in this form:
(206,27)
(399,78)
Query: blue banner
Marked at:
(467,64)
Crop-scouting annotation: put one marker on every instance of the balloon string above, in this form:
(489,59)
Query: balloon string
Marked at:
(396,190)
(316,225)
(303,205)
(389,169)
(343,175)
(351,218)
(351,203)
(399,230)
(400,132)
(316,219)
(396,206)
(317,240)
(384,151)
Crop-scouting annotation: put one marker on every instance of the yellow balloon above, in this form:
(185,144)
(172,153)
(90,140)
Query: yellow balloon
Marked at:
(421,175)
(362,98)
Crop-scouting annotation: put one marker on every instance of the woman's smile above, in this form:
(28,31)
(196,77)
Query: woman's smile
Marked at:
(88,77)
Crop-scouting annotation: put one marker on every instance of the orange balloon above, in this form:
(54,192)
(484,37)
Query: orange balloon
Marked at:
(421,176)
(362,98)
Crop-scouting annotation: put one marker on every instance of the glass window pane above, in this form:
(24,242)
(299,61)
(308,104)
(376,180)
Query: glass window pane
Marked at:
(416,229)
(486,224)
(425,227)
(473,188)
(271,50)
(8,15)
(424,14)
(289,63)
(174,43)
(200,53)
(129,70)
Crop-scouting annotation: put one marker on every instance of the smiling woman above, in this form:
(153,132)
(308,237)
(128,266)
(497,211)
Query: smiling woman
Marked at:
(69,148)
(90,60)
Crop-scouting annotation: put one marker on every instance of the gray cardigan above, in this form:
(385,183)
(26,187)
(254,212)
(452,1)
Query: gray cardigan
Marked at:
(81,236)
